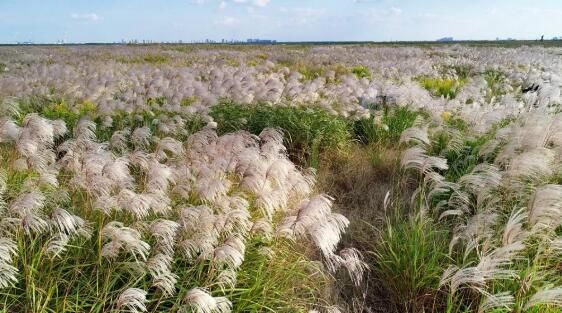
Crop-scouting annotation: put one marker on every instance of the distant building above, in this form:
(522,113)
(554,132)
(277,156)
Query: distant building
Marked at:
(445,39)
(261,41)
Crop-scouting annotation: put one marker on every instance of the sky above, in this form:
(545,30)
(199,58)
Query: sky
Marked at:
(45,21)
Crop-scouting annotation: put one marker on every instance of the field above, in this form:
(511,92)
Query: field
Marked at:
(285,178)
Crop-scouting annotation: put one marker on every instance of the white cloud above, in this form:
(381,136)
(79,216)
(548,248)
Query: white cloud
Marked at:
(261,3)
(302,15)
(223,5)
(228,21)
(86,16)
(257,3)
(378,15)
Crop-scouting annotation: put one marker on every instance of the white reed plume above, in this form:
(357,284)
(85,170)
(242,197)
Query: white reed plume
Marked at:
(9,130)
(160,177)
(118,172)
(141,137)
(352,260)
(545,207)
(65,222)
(231,252)
(226,278)
(133,300)
(165,233)
(57,244)
(551,297)
(532,166)
(514,231)
(59,128)
(119,140)
(136,204)
(262,227)
(416,158)
(159,267)
(491,266)
(123,238)
(482,181)
(497,301)
(418,136)
(202,302)
(168,145)
(8,273)
(28,202)
(85,131)
(8,249)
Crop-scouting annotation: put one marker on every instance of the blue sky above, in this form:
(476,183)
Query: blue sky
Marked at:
(286,20)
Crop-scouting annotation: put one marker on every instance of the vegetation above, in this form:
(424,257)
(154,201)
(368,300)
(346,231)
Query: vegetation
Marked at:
(442,87)
(261,179)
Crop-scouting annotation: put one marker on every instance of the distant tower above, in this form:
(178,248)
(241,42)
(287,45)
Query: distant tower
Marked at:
(542,38)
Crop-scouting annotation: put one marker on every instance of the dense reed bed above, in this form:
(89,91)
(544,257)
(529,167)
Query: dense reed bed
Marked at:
(281,179)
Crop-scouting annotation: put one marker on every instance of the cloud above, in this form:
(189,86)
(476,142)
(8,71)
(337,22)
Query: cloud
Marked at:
(86,16)
(257,3)
(302,15)
(261,3)
(379,15)
(223,5)
(228,21)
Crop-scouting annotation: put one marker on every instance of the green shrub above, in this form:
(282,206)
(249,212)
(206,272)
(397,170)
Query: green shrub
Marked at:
(442,87)
(386,130)
(409,260)
(361,71)
(308,132)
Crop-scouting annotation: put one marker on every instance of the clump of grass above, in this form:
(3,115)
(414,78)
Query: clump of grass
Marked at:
(361,71)
(462,71)
(310,72)
(308,132)
(387,127)
(150,58)
(495,80)
(442,87)
(409,260)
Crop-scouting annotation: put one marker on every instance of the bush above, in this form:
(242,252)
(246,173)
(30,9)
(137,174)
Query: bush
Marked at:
(442,87)
(361,71)
(308,132)
(387,129)
(409,261)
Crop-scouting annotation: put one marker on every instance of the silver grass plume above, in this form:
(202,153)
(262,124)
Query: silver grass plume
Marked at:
(416,158)
(545,208)
(497,301)
(8,273)
(552,297)
(141,137)
(123,238)
(514,231)
(133,300)
(202,302)
(418,136)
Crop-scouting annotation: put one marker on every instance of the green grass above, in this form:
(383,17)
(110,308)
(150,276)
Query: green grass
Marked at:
(409,260)
(494,79)
(386,130)
(308,132)
(361,71)
(442,87)
(147,59)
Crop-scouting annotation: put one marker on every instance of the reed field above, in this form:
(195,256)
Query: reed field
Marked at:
(281,178)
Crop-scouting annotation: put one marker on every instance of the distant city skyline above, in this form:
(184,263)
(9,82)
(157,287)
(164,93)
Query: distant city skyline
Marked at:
(109,21)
